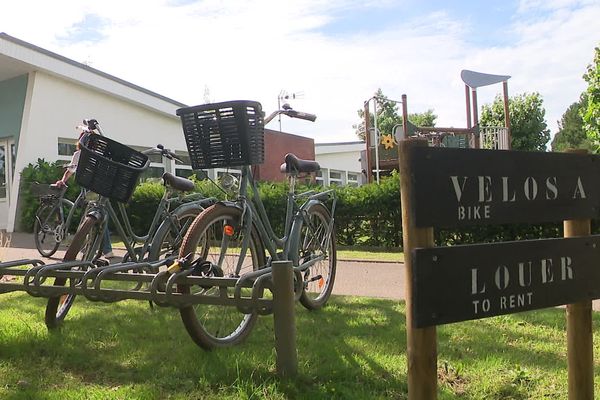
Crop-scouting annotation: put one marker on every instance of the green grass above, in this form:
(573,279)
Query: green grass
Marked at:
(353,349)
(365,255)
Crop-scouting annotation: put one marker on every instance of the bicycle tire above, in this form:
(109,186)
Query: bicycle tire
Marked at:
(87,235)
(318,278)
(47,219)
(212,326)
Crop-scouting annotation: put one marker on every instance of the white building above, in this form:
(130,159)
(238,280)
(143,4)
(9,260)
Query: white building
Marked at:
(340,163)
(43,96)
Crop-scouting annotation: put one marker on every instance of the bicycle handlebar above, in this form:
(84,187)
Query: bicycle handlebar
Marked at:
(91,125)
(163,151)
(292,114)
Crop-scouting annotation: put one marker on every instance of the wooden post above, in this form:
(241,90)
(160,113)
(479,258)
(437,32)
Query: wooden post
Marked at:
(580,350)
(284,319)
(421,349)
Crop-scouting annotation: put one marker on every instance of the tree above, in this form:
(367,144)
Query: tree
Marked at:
(388,117)
(571,134)
(528,125)
(591,113)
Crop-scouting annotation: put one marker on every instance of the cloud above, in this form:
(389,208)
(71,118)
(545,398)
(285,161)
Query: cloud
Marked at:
(90,29)
(253,49)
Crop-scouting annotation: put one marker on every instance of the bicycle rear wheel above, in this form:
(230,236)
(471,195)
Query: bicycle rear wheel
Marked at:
(46,227)
(85,246)
(316,241)
(216,236)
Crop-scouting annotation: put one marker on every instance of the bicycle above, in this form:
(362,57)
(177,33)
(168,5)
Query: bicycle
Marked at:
(229,238)
(111,170)
(54,216)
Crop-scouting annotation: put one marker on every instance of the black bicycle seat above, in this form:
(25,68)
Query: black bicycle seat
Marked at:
(176,182)
(294,164)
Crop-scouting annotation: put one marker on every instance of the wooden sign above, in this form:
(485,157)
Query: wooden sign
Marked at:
(456,187)
(459,283)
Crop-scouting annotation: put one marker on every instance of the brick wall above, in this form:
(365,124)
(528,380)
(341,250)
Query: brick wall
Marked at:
(277,145)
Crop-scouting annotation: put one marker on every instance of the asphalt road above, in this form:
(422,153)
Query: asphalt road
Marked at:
(354,278)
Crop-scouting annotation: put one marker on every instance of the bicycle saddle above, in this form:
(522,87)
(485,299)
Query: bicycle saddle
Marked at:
(294,164)
(176,182)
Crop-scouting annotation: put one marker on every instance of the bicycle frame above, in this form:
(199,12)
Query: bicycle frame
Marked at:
(79,202)
(103,210)
(253,211)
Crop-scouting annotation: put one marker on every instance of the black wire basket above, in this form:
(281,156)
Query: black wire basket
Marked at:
(109,168)
(224,134)
(44,190)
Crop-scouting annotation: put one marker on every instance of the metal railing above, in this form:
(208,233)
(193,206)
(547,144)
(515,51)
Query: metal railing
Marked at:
(493,137)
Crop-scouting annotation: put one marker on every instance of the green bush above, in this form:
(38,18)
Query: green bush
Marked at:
(368,215)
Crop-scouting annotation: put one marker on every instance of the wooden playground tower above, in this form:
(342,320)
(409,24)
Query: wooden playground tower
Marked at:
(384,156)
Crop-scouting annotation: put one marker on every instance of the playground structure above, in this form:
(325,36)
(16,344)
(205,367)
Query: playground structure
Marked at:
(381,152)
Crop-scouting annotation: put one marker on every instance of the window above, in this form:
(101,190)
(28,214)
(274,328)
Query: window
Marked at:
(183,157)
(156,168)
(319,178)
(335,178)
(152,172)
(184,168)
(13,152)
(66,147)
(2,172)
(352,179)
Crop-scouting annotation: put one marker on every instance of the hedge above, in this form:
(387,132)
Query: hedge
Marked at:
(368,215)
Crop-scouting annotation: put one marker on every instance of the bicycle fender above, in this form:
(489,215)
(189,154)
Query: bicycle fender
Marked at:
(229,203)
(188,206)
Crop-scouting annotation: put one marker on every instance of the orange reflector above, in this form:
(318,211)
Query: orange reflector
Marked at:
(228,230)
(321,283)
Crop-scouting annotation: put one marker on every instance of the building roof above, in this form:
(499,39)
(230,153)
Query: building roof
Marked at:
(18,57)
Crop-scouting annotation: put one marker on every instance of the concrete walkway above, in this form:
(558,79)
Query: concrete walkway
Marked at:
(354,278)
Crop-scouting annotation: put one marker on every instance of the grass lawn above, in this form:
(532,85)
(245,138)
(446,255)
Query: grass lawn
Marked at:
(365,255)
(353,349)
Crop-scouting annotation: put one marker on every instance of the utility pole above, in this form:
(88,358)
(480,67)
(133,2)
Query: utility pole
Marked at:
(368,142)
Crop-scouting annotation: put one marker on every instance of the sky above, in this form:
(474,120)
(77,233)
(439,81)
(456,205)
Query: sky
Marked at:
(332,54)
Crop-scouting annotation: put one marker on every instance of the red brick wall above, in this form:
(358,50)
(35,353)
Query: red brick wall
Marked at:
(277,145)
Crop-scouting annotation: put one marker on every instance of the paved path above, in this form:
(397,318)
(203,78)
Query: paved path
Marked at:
(355,278)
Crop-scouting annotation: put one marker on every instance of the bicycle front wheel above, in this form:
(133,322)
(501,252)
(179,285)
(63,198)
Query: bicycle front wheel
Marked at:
(216,236)
(317,241)
(46,229)
(85,246)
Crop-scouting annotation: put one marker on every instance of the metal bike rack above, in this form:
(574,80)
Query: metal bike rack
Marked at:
(94,283)
(90,281)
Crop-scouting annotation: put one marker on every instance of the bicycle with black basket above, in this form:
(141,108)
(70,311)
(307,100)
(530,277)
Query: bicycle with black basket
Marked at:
(234,240)
(54,216)
(111,170)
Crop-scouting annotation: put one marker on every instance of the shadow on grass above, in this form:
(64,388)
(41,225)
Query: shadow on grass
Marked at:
(127,344)
(352,349)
